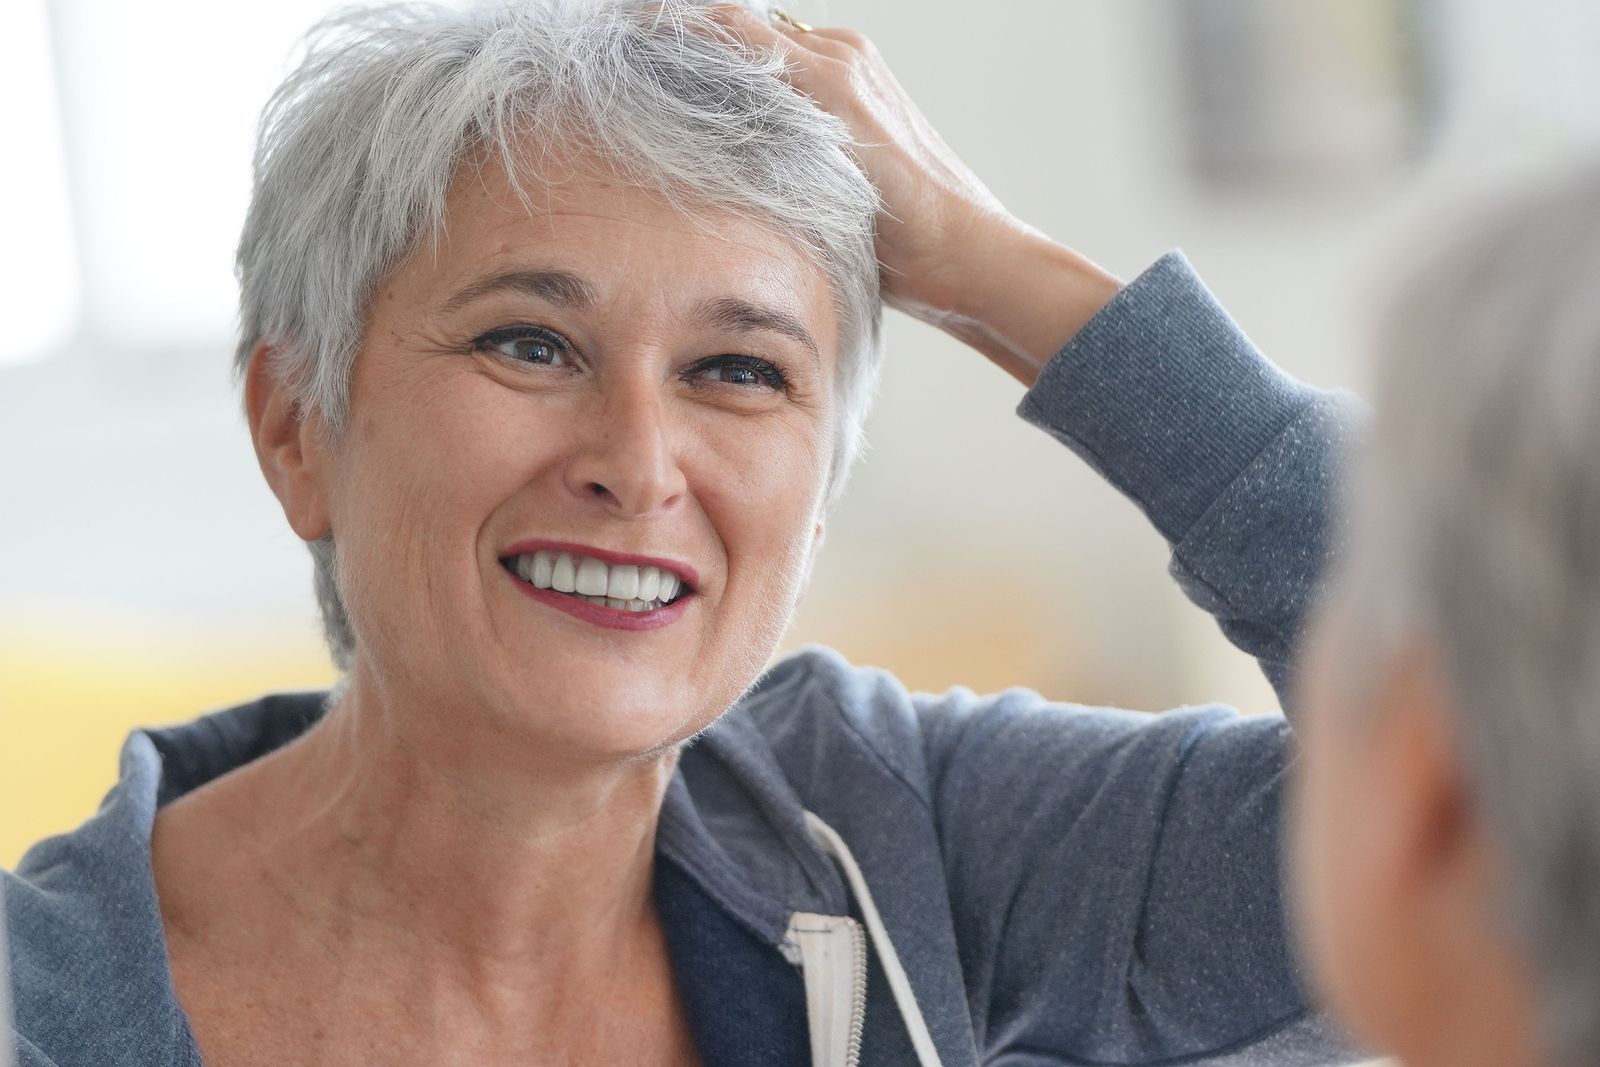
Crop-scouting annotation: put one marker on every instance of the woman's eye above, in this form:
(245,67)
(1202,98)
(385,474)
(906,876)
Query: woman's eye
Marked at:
(525,344)
(744,371)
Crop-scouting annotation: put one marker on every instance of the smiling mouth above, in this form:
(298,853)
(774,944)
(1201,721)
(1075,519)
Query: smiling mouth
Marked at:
(621,587)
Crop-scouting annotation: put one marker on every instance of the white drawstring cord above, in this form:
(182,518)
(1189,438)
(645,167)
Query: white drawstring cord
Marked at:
(905,1000)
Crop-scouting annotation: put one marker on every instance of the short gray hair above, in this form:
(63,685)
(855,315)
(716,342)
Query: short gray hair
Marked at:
(359,146)
(1477,531)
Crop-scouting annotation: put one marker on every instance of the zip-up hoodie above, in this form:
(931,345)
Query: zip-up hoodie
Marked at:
(849,873)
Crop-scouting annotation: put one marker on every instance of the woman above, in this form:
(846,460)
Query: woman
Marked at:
(559,322)
(1448,825)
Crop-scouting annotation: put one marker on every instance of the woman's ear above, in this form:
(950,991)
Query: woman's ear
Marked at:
(1437,837)
(1446,879)
(289,447)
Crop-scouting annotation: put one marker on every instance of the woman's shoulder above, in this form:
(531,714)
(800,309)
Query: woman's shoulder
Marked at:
(830,723)
(84,941)
(66,939)
(69,885)
(825,719)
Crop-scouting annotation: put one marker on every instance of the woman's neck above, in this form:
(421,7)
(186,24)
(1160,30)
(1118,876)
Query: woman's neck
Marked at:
(409,842)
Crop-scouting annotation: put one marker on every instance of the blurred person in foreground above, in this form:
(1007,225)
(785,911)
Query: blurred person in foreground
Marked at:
(559,322)
(1448,804)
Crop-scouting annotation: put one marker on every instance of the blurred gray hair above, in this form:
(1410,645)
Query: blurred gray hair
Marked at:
(1477,531)
(360,144)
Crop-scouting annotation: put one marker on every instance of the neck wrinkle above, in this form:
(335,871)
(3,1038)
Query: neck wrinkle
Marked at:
(475,873)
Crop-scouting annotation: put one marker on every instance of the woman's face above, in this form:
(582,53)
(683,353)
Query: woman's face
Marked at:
(607,379)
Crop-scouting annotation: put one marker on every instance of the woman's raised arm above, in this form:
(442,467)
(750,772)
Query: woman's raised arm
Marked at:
(952,256)
(1151,383)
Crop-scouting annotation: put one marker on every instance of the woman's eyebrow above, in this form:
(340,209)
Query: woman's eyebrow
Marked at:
(557,286)
(741,316)
(566,289)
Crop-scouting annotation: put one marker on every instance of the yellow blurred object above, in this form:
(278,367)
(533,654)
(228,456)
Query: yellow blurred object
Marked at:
(70,694)
(70,690)
(985,631)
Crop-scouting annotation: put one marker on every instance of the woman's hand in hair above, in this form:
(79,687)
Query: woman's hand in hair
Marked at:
(951,254)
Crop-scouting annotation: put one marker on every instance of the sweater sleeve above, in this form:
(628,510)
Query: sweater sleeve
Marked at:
(1231,459)
(1115,877)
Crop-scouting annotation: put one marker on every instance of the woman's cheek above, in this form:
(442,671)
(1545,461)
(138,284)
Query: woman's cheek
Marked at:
(766,506)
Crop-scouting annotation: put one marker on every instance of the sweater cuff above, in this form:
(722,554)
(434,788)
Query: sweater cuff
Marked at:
(1164,395)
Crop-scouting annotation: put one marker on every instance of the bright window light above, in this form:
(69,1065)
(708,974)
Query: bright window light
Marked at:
(161,110)
(38,272)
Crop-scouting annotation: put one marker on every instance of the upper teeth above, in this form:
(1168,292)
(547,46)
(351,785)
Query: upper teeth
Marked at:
(622,584)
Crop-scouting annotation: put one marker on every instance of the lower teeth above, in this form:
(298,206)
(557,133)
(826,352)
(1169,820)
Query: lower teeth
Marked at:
(635,606)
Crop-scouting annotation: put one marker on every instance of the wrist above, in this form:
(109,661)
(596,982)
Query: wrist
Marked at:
(1019,296)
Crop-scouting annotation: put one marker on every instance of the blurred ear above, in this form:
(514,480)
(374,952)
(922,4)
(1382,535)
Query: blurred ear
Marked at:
(1443,881)
(1442,856)
(1434,830)
(289,448)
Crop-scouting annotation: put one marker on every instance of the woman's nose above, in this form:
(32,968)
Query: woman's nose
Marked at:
(625,459)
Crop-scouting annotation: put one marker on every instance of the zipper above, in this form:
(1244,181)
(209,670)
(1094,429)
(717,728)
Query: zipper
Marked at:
(831,988)
(858,992)
(831,951)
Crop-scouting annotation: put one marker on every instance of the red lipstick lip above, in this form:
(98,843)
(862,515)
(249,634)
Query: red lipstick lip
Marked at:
(526,548)
(611,618)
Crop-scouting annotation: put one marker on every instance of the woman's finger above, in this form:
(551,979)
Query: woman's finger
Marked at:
(785,36)
(837,40)
(803,50)
(840,44)
(932,206)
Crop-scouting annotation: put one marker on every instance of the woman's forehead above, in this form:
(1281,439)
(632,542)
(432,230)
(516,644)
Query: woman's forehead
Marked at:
(615,237)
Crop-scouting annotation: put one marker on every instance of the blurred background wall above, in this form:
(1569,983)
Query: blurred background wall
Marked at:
(146,574)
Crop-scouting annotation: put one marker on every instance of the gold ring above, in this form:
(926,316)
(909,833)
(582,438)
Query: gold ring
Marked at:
(783,16)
